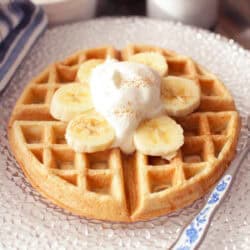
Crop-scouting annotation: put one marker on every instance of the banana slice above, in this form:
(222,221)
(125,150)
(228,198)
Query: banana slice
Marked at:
(169,156)
(86,68)
(89,132)
(180,96)
(70,101)
(152,59)
(159,136)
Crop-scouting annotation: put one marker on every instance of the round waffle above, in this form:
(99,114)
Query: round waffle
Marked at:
(110,185)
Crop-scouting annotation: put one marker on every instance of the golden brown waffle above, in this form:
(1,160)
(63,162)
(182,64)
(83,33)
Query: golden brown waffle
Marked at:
(109,185)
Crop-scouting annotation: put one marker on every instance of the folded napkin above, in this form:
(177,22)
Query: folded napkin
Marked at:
(21,23)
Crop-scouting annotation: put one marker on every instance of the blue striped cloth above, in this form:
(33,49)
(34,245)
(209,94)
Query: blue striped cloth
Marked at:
(21,23)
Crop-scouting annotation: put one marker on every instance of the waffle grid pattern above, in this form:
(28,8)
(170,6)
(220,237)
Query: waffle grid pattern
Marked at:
(140,186)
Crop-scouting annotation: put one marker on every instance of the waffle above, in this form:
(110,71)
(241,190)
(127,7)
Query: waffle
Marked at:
(110,185)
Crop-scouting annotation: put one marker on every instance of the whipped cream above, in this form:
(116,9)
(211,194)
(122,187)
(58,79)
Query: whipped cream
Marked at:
(125,93)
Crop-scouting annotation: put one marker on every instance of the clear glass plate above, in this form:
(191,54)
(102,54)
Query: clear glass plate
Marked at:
(29,221)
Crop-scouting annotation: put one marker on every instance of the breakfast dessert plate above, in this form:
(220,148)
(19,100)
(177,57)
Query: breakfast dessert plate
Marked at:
(124,159)
(159,232)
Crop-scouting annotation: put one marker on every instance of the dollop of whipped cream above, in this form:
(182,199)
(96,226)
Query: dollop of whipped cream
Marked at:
(125,93)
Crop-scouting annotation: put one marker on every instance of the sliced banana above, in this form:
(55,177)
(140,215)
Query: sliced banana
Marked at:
(169,156)
(180,96)
(89,132)
(86,68)
(70,101)
(159,136)
(152,59)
